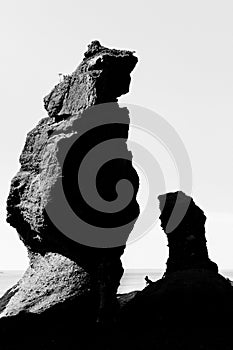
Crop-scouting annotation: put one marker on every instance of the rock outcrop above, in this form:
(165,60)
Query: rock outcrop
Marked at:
(103,76)
(69,274)
(191,306)
(75,239)
(187,242)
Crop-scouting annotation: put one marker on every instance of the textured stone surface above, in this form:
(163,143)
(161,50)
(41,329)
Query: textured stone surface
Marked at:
(103,76)
(50,279)
(62,270)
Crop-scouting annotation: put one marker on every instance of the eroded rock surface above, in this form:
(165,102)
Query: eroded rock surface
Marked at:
(103,76)
(62,270)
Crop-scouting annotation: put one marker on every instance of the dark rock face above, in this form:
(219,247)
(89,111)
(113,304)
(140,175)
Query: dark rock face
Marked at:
(187,242)
(63,270)
(103,76)
(188,309)
(191,306)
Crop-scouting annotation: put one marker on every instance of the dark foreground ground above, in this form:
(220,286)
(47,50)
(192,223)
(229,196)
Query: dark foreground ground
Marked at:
(187,310)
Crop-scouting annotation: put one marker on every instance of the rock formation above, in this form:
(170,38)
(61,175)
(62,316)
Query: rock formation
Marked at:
(187,242)
(75,238)
(191,306)
(69,276)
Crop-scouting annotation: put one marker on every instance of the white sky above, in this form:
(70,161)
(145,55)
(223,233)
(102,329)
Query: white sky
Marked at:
(184,73)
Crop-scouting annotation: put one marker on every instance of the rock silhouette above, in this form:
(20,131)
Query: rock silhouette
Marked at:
(68,298)
(191,306)
(73,276)
(186,242)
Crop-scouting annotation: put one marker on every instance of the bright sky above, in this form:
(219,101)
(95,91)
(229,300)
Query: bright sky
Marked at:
(184,73)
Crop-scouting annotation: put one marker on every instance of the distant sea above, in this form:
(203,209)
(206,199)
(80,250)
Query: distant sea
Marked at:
(133,279)
(8,278)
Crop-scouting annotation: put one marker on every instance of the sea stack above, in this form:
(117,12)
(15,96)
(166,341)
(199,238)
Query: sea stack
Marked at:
(190,307)
(186,240)
(72,281)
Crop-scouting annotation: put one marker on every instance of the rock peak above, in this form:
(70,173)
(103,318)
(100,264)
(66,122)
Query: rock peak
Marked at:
(93,48)
(102,76)
(96,48)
